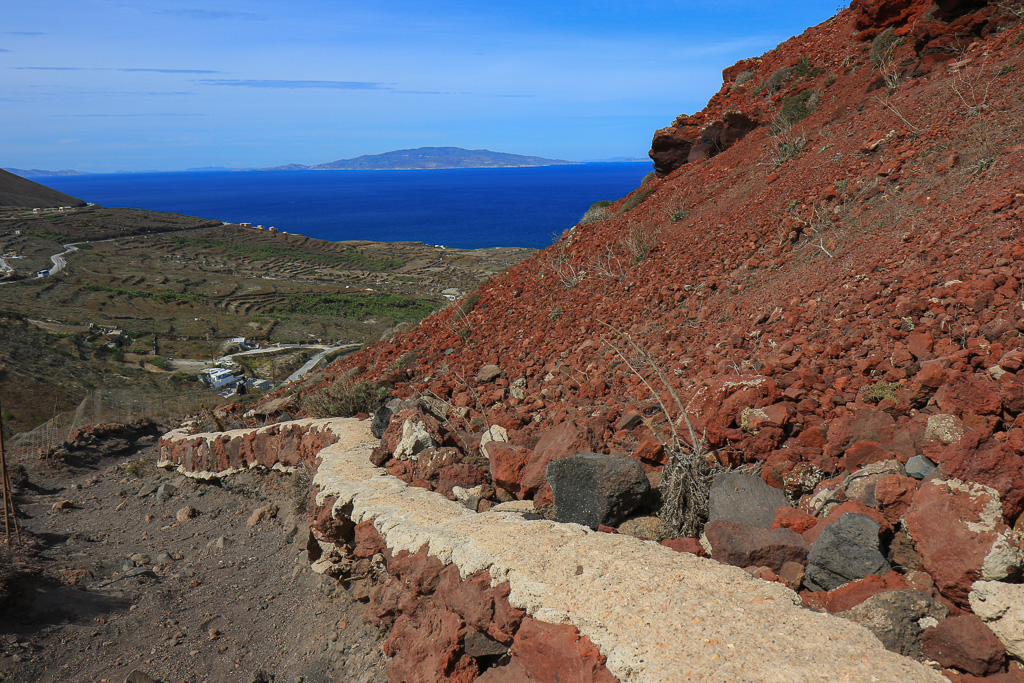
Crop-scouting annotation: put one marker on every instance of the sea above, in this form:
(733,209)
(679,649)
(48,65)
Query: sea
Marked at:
(461,208)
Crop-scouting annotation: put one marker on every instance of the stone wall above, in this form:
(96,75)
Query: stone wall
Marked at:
(503,596)
(277,446)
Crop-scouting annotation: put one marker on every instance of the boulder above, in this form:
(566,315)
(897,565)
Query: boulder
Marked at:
(895,616)
(920,467)
(846,550)
(488,373)
(860,486)
(507,463)
(415,439)
(865,424)
(550,652)
(742,545)
(1001,606)
(562,441)
(893,496)
(381,420)
(593,489)
(964,642)
(495,433)
(744,498)
(671,147)
(979,458)
(958,530)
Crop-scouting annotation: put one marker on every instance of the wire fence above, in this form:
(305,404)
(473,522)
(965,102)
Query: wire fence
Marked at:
(104,406)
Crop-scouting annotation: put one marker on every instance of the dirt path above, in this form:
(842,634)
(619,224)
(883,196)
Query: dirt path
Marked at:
(119,581)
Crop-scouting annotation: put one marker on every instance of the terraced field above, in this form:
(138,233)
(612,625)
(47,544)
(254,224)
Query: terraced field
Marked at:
(181,286)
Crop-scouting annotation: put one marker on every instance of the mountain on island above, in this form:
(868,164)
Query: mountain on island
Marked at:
(18,191)
(427,158)
(39,173)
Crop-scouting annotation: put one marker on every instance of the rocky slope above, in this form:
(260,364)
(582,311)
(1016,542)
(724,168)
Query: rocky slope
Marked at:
(826,272)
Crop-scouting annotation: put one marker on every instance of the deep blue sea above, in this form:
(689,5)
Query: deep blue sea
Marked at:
(467,208)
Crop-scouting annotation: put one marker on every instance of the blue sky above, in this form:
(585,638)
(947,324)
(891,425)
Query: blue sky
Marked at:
(109,85)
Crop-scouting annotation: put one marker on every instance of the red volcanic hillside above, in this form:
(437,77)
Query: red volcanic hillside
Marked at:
(827,271)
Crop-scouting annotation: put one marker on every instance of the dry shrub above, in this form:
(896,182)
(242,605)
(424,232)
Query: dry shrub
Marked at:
(639,239)
(686,479)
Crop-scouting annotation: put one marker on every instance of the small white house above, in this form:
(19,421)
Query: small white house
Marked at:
(217,378)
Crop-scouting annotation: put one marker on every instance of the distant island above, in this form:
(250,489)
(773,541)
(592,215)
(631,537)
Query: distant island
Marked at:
(427,158)
(39,173)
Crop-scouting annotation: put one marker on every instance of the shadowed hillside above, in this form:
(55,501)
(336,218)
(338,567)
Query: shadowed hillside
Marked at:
(18,191)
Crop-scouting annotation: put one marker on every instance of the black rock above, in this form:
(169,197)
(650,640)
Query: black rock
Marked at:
(381,420)
(895,618)
(847,550)
(593,489)
(744,498)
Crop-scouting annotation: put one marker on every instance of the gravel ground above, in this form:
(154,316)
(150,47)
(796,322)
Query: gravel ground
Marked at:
(129,568)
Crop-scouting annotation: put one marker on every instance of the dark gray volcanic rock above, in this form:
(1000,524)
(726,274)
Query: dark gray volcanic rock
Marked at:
(593,489)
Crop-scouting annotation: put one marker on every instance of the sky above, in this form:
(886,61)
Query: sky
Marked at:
(133,85)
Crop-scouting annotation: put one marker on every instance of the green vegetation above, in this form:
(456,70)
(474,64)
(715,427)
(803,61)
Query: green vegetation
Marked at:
(636,199)
(349,258)
(743,78)
(882,47)
(160,362)
(880,391)
(469,303)
(804,69)
(678,215)
(778,78)
(165,295)
(345,400)
(398,308)
(797,107)
(555,313)
(598,211)
(406,360)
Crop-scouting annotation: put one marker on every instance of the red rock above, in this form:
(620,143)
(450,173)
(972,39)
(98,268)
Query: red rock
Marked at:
(562,441)
(793,519)
(966,643)
(893,495)
(957,527)
(981,459)
(685,545)
(853,593)
(426,646)
(742,545)
(472,598)
(648,451)
(792,574)
(368,541)
(671,147)
(507,463)
(919,344)
(764,573)
(811,535)
(966,394)
(550,653)
(865,424)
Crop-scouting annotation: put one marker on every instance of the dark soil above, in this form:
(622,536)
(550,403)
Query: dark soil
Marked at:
(211,598)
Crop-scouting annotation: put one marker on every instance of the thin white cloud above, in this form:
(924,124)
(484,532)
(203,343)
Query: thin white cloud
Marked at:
(217,15)
(283,83)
